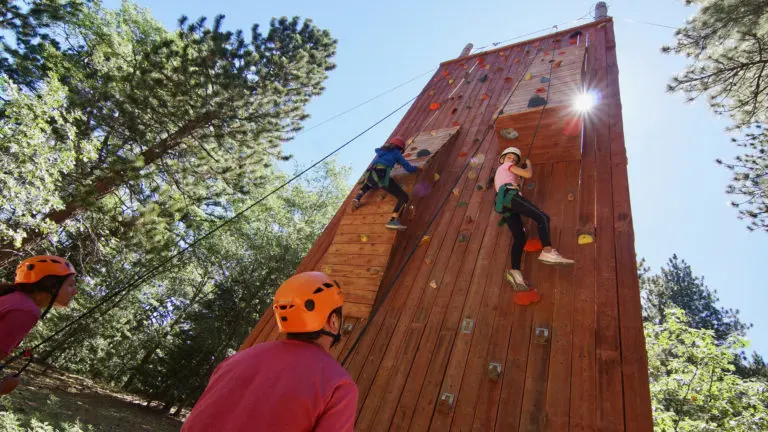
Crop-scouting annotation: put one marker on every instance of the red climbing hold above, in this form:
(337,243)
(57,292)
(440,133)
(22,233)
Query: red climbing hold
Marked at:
(462,154)
(572,126)
(526,298)
(434,106)
(557,64)
(455,124)
(508,79)
(445,73)
(485,96)
(533,245)
(561,53)
(541,90)
(573,41)
(480,60)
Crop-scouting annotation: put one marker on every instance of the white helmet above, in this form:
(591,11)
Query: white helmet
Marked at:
(511,150)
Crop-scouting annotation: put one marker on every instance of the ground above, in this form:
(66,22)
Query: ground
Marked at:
(71,403)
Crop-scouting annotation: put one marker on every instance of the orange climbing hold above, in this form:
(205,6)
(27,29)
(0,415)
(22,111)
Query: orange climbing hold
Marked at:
(557,64)
(526,298)
(462,154)
(516,60)
(533,245)
(434,106)
(485,96)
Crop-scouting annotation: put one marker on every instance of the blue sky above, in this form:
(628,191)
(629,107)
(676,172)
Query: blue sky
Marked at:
(678,201)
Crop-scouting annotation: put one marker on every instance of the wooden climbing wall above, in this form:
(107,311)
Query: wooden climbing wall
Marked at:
(448,348)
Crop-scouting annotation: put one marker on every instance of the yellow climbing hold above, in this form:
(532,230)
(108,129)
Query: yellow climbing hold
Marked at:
(585,239)
(436,177)
(363,238)
(425,240)
(450,81)
(472,175)
(456,191)
(433,283)
(327,269)
(528,76)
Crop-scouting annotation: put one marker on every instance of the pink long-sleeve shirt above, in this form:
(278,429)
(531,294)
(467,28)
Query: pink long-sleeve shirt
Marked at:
(277,386)
(18,315)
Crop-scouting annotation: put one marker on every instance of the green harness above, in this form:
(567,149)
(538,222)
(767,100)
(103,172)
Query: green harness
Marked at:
(504,196)
(372,173)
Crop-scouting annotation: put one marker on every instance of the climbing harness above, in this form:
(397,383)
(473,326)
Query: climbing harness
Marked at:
(504,197)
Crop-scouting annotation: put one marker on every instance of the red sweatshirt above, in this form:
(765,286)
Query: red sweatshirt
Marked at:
(277,386)
(18,314)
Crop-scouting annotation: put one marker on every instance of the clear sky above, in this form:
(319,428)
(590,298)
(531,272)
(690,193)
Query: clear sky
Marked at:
(677,190)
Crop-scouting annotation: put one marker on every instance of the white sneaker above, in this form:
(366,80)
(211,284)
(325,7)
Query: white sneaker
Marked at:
(515,278)
(355,204)
(553,257)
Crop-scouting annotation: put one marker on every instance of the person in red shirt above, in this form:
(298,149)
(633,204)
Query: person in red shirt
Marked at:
(290,385)
(41,282)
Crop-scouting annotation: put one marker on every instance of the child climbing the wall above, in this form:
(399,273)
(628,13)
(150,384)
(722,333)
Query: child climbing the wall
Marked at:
(377,176)
(511,204)
(41,282)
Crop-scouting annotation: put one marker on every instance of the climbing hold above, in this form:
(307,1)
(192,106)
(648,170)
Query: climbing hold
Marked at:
(557,64)
(508,79)
(544,80)
(586,236)
(445,73)
(528,76)
(485,96)
(571,197)
(479,187)
(536,101)
(348,327)
(456,192)
(480,60)
(467,325)
(561,53)
(462,64)
(424,240)
(469,219)
(422,188)
(474,162)
(533,245)
(483,78)
(472,175)
(433,133)
(557,39)
(433,283)
(531,185)
(480,158)
(476,140)
(572,126)
(573,41)
(363,238)
(445,404)
(428,260)
(535,44)
(463,238)
(542,335)
(541,90)
(435,177)
(461,204)
(423,152)
(410,141)
(487,67)
(455,123)
(327,269)
(467,82)
(494,371)
(462,154)
(431,92)
(408,155)
(450,81)
(546,53)
(526,298)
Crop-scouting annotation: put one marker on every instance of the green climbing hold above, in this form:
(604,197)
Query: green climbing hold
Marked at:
(531,185)
(468,82)
(463,237)
(483,78)
(461,204)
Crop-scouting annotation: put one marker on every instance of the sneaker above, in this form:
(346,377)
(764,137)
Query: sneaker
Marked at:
(515,278)
(395,224)
(554,258)
(355,204)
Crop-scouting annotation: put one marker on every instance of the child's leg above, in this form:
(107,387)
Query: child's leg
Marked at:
(364,189)
(398,192)
(526,208)
(515,224)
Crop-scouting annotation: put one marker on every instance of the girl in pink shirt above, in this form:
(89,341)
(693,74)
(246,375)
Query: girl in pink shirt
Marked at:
(511,203)
(41,282)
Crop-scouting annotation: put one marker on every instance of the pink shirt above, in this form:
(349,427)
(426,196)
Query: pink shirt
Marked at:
(18,315)
(284,385)
(504,176)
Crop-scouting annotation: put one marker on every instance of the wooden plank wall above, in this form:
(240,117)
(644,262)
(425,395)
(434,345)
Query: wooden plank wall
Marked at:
(415,352)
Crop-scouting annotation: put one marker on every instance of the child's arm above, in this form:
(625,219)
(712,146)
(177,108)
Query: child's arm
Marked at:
(526,172)
(402,161)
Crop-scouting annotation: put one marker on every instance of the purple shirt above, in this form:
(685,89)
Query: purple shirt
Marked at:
(18,315)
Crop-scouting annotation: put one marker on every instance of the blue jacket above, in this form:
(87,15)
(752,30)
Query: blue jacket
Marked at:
(390,157)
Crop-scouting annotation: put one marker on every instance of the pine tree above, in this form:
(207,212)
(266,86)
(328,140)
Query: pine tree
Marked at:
(726,43)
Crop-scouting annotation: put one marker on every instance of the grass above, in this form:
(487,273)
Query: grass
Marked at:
(68,403)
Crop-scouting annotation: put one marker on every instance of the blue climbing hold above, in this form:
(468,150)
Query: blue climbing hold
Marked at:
(536,101)
(544,80)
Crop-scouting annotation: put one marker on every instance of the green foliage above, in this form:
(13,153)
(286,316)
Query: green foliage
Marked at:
(13,420)
(676,287)
(693,387)
(726,43)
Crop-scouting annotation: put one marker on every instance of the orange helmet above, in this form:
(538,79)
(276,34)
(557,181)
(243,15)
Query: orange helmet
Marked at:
(33,269)
(303,302)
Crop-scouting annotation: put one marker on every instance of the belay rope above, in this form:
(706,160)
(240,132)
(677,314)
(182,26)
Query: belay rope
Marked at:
(508,191)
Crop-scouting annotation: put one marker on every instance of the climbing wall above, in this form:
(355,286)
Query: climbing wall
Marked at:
(359,252)
(448,348)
